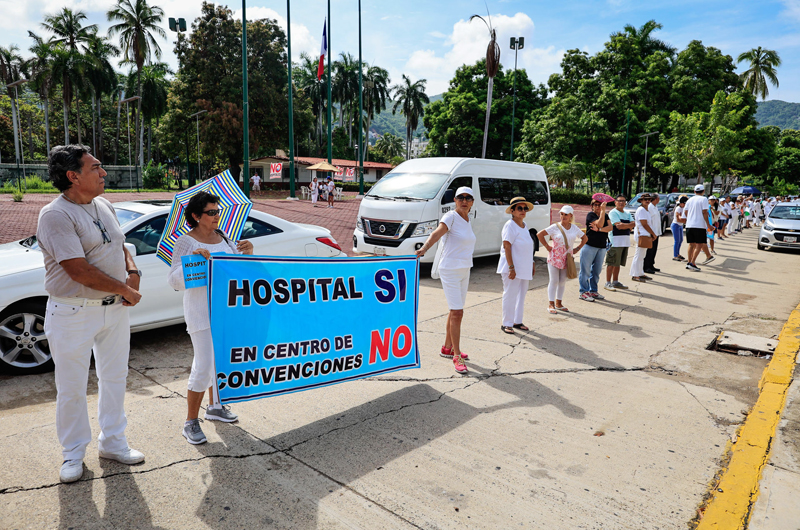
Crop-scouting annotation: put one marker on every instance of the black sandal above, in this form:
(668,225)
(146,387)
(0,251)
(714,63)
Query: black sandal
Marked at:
(507,329)
(523,327)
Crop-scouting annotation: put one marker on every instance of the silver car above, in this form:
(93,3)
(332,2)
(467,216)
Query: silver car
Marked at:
(781,229)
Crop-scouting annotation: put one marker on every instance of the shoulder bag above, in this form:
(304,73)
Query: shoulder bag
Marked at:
(572,271)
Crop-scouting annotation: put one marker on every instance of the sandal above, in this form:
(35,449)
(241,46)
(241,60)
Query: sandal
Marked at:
(562,308)
(507,329)
(552,310)
(523,327)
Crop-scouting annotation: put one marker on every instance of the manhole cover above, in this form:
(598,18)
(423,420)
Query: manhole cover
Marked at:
(745,345)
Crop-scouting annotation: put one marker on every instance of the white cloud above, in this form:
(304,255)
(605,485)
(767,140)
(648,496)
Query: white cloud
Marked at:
(437,34)
(792,8)
(302,38)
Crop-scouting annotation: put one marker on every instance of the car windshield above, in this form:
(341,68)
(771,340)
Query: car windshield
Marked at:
(123,216)
(410,185)
(791,213)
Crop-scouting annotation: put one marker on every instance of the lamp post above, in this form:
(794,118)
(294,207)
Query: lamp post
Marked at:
(179,25)
(246,106)
(128,113)
(17,122)
(445,149)
(360,110)
(646,137)
(516,45)
(196,115)
(291,111)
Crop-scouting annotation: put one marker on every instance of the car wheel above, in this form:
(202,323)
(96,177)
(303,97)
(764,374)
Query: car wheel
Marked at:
(23,346)
(760,246)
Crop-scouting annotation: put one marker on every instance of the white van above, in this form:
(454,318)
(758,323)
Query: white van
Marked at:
(405,206)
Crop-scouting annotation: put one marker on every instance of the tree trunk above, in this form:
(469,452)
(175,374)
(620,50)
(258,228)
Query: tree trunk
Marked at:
(100,149)
(488,113)
(66,123)
(94,127)
(47,125)
(139,132)
(30,136)
(149,139)
(15,122)
(78,118)
(116,141)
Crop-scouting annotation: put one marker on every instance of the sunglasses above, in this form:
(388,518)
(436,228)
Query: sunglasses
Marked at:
(465,198)
(212,213)
(522,208)
(100,226)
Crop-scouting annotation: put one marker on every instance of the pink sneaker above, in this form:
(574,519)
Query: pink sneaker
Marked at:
(448,354)
(459,365)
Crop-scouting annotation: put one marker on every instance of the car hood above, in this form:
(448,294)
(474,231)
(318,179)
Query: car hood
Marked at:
(392,210)
(17,258)
(785,224)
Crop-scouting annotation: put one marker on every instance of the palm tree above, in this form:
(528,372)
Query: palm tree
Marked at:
(68,28)
(411,98)
(41,70)
(137,23)
(12,68)
(101,79)
(345,86)
(647,44)
(492,65)
(390,145)
(763,65)
(315,89)
(154,95)
(376,92)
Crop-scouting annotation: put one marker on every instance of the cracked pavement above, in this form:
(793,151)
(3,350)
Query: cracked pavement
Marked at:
(612,416)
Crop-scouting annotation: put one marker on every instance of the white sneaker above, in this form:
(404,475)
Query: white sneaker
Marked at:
(71,470)
(128,456)
(586,297)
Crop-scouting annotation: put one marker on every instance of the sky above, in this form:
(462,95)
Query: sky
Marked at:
(430,39)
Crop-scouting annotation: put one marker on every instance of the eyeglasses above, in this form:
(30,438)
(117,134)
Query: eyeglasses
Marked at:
(465,198)
(100,226)
(522,208)
(212,213)
(620,200)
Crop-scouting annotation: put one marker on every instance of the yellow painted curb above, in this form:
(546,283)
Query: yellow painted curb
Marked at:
(730,505)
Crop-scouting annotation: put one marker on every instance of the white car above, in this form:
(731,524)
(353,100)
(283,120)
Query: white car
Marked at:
(23,345)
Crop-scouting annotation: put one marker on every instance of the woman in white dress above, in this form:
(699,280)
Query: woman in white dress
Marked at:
(516,266)
(202,214)
(557,259)
(314,187)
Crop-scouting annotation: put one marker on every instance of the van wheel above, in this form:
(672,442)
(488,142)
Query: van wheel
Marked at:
(23,346)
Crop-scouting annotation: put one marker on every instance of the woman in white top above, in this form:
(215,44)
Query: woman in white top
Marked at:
(557,260)
(331,186)
(516,266)
(678,221)
(202,214)
(454,263)
(314,186)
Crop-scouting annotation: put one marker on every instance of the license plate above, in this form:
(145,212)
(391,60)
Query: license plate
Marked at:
(790,239)
(380,251)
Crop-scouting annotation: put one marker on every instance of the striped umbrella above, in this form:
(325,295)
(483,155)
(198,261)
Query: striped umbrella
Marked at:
(234,204)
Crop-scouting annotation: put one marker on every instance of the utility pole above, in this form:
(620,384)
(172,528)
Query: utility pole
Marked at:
(176,25)
(291,111)
(516,45)
(245,106)
(330,111)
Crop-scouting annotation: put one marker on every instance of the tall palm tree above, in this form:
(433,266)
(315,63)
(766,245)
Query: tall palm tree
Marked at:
(154,96)
(763,66)
(376,92)
(411,98)
(137,26)
(68,28)
(642,36)
(345,86)
(12,68)
(101,79)
(492,65)
(390,145)
(40,67)
(315,89)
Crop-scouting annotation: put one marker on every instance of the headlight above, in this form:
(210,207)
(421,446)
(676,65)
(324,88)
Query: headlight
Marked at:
(769,227)
(425,229)
(359,225)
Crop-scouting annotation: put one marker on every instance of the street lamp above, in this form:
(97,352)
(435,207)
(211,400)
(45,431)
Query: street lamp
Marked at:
(516,45)
(646,137)
(445,149)
(179,25)
(196,115)
(17,140)
(128,113)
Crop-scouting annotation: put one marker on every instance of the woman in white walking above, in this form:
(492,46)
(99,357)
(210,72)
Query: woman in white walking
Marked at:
(561,236)
(314,187)
(202,214)
(516,266)
(454,262)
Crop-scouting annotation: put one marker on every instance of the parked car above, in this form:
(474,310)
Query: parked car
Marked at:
(23,345)
(666,205)
(781,228)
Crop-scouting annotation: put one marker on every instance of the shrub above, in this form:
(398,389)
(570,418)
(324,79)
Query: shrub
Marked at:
(34,182)
(566,196)
(353,186)
(18,195)
(154,176)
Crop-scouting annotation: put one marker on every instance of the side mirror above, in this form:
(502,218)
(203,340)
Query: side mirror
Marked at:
(131,248)
(449,196)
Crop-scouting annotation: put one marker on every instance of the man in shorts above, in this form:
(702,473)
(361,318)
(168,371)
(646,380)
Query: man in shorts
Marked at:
(617,255)
(696,227)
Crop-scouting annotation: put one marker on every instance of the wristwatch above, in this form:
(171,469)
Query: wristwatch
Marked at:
(135,271)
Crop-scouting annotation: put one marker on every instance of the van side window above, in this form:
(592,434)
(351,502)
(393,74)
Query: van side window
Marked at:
(499,192)
(457,183)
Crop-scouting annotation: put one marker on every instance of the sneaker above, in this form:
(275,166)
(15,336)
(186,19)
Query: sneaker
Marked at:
(709,260)
(619,285)
(597,296)
(193,433)
(459,365)
(222,413)
(128,456)
(448,354)
(692,267)
(586,297)
(609,286)
(71,470)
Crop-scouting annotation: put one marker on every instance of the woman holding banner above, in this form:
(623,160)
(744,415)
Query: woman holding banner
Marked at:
(454,261)
(202,215)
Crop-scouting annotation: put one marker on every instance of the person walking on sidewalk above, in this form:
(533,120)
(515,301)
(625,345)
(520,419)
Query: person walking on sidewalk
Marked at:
(642,230)
(314,187)
(92,280)
(594,252)
(516,266)
(677,228)
(724,217)
(696,227)
(561,235)
(617,256)
(656,226)
(331,188)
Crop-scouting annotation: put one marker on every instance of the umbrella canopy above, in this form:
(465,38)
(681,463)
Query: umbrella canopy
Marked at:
(746,190)
(323,166)
(602,197)
(234,204)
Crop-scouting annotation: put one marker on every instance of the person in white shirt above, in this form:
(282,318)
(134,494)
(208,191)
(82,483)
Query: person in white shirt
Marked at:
(677,228)
(655,224)
(314,187)
(331,186)
(643,229)
(724,217)
(256,180)
(697,226)
(516,266)
(562,236)
(454,261)
(202,214)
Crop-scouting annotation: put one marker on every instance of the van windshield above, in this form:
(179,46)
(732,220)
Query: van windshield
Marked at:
(409,185)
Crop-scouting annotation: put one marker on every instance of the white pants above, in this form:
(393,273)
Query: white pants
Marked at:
(455,283)
(734,222)
(72,333)
(203,368)
(514,292)
(637,266)
(558,281)
(314,197)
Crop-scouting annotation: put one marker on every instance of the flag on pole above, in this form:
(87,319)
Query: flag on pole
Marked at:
(323,50)
(275,171)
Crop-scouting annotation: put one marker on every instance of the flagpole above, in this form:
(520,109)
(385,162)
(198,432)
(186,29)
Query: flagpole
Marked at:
(330,111)
(360,112)
(291,110)
(245,106)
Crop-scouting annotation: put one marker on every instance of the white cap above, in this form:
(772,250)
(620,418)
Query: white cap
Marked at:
(712,197)
(699,187)
(465,189)
(567,209)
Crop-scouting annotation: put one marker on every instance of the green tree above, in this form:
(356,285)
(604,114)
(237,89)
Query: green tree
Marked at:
(101,78)
(40,67)
(316,90)
(411,99)
(698,74)
(763,67)
(12,68)
(389,145)
(376,93)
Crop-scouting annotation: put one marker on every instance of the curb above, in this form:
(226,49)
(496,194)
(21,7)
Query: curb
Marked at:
(730,505)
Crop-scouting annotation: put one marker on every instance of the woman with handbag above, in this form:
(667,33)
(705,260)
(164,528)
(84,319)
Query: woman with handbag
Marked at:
(560,262)
(644,239)
(516,266)
(453,263)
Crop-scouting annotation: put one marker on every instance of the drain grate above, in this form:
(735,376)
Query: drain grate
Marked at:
(743,345)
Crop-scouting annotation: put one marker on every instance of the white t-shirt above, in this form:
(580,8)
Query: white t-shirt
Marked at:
(572,234)
(459,242)
(726,211)
(314,187)
(655,219)
(331,186)
(256,180)
(643,215)
(694,212)
(679,211)
(521,251)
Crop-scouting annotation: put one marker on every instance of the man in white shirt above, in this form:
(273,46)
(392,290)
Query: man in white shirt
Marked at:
(696,227)
(643,229)
(256,180)
(655,224)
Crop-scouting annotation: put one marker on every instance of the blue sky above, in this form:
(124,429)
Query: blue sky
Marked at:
(430,39)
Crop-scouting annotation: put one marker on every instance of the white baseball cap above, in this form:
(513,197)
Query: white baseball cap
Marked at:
(567,209)
(465,189)
(699,187)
